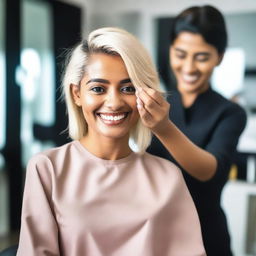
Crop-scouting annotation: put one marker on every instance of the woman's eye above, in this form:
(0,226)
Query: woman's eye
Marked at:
(97,89)
(128,89)
(180,56)
(202,58)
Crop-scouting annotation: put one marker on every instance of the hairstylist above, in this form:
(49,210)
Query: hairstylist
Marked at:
(197,128)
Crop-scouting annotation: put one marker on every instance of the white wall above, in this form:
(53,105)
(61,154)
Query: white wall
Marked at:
(242,28)
(137,16)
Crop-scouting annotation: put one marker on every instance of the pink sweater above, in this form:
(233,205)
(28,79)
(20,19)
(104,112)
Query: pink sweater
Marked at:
(76,204)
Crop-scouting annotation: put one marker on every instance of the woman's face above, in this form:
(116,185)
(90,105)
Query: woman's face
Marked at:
(107,97)
(192,61)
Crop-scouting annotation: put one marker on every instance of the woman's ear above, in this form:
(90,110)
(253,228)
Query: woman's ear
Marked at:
(220,58)
(75,91)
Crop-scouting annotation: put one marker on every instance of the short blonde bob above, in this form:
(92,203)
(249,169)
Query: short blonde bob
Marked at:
(141,70)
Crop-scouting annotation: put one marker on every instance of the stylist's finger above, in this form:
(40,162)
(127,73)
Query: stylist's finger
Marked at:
(148,102)
(139,103)
(155,95)
(144,114)
(151,105)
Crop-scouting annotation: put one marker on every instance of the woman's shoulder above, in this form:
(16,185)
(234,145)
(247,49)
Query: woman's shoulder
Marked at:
(223,108)
(162,171)
(224,102)
(159,163)
(54,151)
(51,158)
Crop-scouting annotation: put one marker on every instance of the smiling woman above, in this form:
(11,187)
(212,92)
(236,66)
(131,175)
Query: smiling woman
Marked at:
(138,67)
(83,192)
(107,98)
(201,131)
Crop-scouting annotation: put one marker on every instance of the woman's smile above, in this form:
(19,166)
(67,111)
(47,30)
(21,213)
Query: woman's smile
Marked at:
(113,118)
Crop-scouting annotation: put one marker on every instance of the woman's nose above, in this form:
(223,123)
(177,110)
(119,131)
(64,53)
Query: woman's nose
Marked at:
(114,100)
(189,66)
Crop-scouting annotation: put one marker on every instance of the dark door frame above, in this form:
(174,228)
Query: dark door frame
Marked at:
(66,32)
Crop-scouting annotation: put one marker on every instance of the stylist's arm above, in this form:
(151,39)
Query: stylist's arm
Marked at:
(154,112)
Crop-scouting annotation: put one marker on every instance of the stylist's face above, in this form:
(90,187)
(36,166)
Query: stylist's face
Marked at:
(192,61)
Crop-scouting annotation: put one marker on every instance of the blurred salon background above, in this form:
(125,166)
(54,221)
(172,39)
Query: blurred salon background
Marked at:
(34,34)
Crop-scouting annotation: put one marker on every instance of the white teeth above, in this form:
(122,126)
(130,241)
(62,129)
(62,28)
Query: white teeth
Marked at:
(112,118)
(190,78)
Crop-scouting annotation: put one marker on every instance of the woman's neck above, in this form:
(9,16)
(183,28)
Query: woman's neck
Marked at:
(107,148)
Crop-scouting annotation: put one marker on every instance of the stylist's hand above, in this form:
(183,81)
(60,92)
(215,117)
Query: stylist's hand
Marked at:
(153,109)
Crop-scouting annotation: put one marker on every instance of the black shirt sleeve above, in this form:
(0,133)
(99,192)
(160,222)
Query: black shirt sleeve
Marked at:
(225,136)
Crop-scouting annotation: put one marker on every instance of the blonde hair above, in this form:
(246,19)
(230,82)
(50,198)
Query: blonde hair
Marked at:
(141,70)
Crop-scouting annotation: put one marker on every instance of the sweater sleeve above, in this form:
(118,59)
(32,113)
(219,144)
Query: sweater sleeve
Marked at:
(39,231)
(183,232)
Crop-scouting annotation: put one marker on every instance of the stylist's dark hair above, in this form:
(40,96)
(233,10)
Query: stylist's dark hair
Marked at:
(204,20)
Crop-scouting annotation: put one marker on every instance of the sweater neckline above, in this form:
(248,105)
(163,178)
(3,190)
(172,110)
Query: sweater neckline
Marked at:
(83,150)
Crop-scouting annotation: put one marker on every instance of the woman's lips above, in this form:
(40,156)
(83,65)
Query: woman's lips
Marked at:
(113,118)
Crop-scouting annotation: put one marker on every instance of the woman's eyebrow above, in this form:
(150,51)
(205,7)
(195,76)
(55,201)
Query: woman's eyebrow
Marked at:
(98,80)
(104,81)
(179,50)
(125,81)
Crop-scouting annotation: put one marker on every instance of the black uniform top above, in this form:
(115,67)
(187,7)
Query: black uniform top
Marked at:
(214,124)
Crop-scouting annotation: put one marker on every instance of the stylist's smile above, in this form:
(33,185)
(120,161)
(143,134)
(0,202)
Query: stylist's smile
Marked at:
(190,78)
